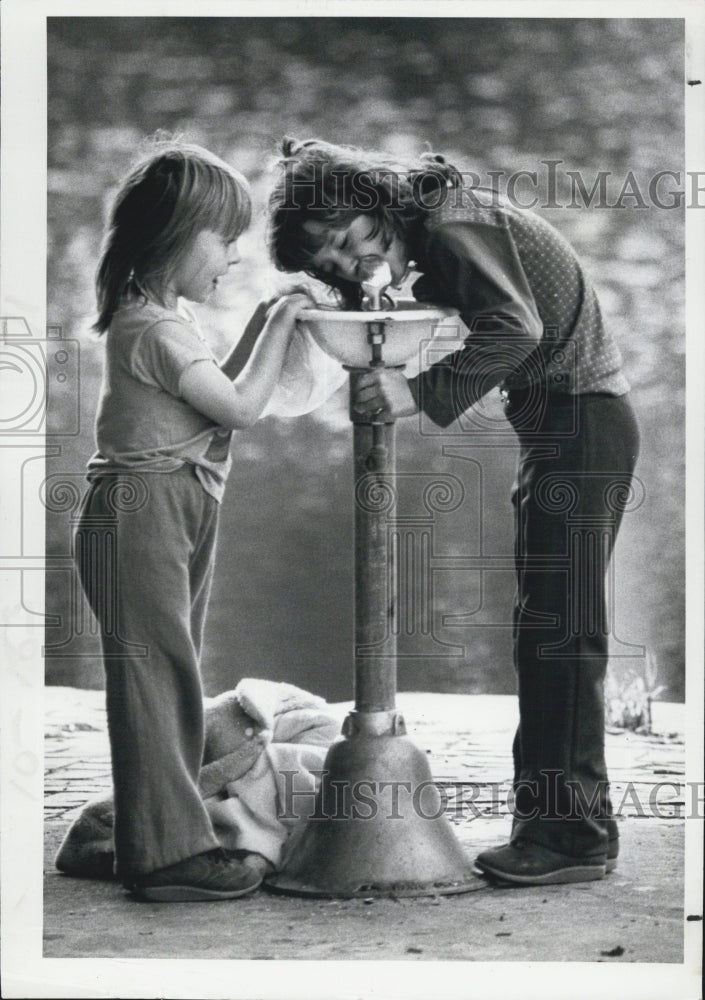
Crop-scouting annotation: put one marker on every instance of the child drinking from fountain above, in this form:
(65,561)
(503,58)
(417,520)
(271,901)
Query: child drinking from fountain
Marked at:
(163,430)
(535,331)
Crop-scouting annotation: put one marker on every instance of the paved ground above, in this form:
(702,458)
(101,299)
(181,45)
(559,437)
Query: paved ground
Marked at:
(634,915)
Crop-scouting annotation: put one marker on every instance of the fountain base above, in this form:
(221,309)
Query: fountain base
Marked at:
(377,829)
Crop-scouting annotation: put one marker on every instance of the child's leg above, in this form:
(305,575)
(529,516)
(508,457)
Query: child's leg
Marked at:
(154,696)
(567,508)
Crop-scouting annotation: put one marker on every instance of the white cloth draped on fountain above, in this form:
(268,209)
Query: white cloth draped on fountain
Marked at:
(266,743)
(309,378)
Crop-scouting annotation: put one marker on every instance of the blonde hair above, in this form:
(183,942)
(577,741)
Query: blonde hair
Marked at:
(171,195)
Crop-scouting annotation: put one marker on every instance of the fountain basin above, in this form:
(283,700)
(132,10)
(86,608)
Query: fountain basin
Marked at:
(343,334)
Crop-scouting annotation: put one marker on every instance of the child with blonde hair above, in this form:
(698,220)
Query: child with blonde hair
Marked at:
(164,423)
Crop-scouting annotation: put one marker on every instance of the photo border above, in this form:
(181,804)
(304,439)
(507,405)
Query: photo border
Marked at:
(26,973)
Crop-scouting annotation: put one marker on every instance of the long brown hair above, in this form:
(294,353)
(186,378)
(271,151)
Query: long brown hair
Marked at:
(161,205)
(332,184)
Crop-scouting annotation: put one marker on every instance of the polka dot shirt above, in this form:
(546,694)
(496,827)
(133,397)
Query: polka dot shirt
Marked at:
(531,310)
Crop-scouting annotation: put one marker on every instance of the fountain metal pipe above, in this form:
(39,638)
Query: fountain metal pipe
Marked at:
(374,464)
(375,577)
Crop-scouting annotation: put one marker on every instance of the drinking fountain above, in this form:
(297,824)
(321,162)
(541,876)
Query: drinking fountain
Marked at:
(378,826)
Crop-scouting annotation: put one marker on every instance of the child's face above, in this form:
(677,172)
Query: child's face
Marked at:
(208,258)
(347,252)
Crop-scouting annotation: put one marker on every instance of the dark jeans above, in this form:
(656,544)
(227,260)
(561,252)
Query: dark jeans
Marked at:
(577,456)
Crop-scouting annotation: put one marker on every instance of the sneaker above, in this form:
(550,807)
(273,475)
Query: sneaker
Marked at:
(525,863)
(204,877)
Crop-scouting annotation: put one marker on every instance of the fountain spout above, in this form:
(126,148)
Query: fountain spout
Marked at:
(376,278)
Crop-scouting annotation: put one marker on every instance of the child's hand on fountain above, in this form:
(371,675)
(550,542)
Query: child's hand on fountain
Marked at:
(283,310)
(290,288)
(384,392)
(296,296)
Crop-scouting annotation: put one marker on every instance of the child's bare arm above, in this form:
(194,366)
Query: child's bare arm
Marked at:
(238,404)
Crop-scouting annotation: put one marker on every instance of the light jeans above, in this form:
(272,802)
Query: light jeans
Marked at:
(146,567)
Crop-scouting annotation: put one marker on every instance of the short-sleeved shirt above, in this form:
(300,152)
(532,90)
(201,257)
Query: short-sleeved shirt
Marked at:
(531,309)
(143,424)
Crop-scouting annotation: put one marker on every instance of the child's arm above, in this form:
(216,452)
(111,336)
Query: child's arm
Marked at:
(477,268)
(238,404)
